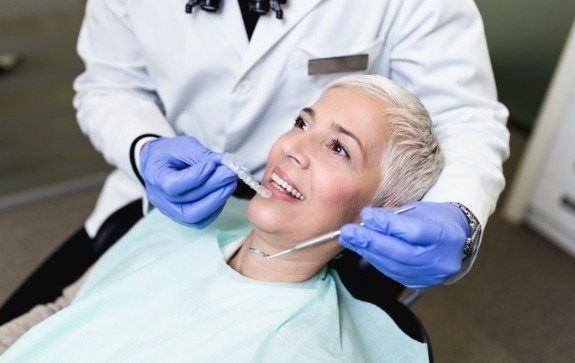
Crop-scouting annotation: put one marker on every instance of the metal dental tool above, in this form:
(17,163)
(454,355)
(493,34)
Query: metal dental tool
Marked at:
(320,239)
(239,167)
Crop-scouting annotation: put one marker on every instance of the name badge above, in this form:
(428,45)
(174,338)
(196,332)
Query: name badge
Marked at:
(349,63)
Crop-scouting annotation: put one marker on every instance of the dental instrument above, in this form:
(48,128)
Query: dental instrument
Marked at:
(317,240)
(239,167)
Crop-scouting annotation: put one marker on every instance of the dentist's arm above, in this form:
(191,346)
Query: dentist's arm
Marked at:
(439,52)
(116,99)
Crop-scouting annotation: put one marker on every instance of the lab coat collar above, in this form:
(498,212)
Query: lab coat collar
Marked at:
(270,30)
(231,24)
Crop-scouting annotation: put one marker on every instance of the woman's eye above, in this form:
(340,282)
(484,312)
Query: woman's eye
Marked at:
(300,123)
(338,148)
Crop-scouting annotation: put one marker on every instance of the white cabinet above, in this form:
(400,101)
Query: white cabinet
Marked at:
(552,208)
(543,190)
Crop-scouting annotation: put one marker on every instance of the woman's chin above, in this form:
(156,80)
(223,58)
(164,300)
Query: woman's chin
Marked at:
(264,217)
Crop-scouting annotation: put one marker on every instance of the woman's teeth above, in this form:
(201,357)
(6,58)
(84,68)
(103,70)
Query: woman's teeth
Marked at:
(282,185)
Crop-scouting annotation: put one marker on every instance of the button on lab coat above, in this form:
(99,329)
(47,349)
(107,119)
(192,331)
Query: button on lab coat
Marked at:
(152,68)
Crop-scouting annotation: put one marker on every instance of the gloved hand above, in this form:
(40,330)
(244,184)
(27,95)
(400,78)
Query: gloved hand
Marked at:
(419,248)
(185,180)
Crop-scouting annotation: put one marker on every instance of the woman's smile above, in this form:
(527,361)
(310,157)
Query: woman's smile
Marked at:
(281,181)
(284,186)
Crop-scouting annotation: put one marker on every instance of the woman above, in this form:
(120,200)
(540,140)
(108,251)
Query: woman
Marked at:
(164,292)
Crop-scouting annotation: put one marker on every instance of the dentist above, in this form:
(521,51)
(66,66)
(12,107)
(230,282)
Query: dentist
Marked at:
(234,80)
(167,82)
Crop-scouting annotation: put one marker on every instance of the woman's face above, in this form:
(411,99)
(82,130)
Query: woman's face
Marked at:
(325,169)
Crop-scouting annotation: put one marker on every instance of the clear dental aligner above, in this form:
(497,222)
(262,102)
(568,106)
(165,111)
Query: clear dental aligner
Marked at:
(239,167)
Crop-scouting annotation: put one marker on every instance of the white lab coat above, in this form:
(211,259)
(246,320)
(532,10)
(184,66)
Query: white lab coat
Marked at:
(152,68)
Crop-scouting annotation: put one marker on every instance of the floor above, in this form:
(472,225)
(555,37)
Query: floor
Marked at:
(516,305)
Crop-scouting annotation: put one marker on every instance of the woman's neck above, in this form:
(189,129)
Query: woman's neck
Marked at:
(295,267)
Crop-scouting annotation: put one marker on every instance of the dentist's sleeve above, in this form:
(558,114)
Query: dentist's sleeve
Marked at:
(440,53)
(115,99)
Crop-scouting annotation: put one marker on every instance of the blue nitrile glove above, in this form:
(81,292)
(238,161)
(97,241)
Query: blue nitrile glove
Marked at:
(185,180)
(420,248)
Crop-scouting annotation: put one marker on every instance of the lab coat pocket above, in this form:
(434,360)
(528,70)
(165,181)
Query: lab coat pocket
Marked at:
(313,67)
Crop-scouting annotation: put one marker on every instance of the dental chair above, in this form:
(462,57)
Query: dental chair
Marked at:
(71,260)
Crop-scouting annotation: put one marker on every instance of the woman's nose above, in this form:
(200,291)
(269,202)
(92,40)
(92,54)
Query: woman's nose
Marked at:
(297,149)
